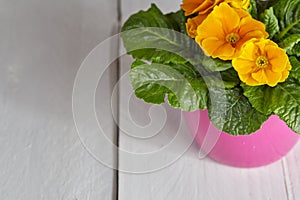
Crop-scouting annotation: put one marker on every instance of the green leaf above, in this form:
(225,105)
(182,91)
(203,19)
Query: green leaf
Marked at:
(226,79)
(288,15)
(157,56)
(289,43)
(282,100)
(179,19)
(185,90)
(187,70)
(290,108)
(215,64)
(270,20)
(295,72)
(253,9)
(150,35)
(173,101)
(230,111)
(230,78)
(263,98)
(295,50)
(151,18)
(262,5)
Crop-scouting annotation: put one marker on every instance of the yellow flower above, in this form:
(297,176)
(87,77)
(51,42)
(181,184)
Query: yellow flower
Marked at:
(262,62)
(206,6)
(223,33)
(239,4)
(193,23)
(245,4)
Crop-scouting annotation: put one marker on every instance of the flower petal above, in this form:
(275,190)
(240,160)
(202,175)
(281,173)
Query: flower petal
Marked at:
(251,28)
(247,78)
(207,30)
(243,66)
(211,44)
(284,76)
(192,25)
(225,52)
(259,76)
(250,52)
(272,78)
(277,58)
(228,16)
(198,6)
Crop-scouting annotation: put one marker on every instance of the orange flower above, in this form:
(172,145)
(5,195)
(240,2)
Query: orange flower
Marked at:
(223,33)
(206,6)
(198,6)
(262,62)
(193,23)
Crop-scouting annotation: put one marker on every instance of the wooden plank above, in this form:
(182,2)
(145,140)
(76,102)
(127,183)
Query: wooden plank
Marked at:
(291,165)
(188,177)
(42,46)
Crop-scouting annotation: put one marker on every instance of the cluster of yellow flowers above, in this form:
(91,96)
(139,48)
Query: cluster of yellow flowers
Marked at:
(224,29)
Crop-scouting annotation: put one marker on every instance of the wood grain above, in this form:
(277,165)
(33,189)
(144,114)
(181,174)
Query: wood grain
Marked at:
(42,46)
(291,164)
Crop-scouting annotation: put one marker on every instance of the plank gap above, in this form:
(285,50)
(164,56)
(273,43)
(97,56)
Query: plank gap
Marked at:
(118,73)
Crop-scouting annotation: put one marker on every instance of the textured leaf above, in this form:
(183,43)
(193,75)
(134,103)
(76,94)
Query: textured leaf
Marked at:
(159,38)
(288,14)
(270,20)
(295,50)
(216,64)
(179,19)
(290,108)
(230,78)
(172,100)
(253,9)
(262,5)
(230,111)
(282,100)
(157,56)
(151,18)
(152,82)
(226,79)
(295,72)
(289,42)
(263,98)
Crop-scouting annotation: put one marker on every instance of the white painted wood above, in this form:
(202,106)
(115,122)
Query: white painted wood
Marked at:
(291,165)
(187,178)
(42,44)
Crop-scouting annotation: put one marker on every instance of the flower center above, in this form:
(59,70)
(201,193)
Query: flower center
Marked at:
(262,62)
(232,38)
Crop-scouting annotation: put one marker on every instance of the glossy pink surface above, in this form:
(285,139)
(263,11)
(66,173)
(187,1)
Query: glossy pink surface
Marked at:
(267,145)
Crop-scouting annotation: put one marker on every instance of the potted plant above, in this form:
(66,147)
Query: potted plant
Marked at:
(232,66)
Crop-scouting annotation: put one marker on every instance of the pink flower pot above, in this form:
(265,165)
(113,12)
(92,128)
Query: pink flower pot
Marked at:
(273,141)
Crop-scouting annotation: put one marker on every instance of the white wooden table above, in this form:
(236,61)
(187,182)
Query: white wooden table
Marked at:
(42,45)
